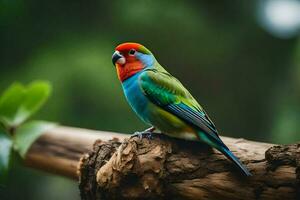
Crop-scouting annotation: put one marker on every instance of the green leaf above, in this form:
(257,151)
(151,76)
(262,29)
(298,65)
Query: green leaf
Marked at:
(5,154)
(18,103)
(27,133)
(10,102)
(35,96)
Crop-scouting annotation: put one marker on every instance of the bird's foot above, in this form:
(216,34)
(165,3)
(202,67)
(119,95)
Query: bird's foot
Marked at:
(146,133)
(142,135)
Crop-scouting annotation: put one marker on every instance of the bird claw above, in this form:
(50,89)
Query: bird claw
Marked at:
(147,133)
(143,134)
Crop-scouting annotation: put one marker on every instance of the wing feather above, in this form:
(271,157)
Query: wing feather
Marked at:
(167,92)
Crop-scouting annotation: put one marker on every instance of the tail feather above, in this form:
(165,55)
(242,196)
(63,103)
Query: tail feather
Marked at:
(219,145)
(235,160)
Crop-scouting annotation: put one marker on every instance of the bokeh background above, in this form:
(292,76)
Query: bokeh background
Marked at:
(240,59)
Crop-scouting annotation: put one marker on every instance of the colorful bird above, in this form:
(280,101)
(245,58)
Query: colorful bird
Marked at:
(161,101)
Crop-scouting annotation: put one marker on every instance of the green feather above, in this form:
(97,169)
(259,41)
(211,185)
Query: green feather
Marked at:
(167,92)
(166,88)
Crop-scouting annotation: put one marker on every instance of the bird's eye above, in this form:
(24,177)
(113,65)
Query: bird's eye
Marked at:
(131,52)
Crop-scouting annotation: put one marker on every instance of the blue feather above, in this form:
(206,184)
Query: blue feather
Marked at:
(224,149)
(135,97)
(146,59)
(235,160)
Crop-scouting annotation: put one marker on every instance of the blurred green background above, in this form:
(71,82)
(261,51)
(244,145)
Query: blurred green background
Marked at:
(241,65)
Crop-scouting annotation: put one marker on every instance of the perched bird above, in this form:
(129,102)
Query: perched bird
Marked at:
(161,101)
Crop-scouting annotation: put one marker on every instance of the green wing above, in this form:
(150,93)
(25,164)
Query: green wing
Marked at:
(168,93)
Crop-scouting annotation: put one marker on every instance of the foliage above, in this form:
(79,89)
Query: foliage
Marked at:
(17,104)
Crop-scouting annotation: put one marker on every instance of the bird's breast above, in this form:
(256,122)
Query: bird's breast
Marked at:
(136,97)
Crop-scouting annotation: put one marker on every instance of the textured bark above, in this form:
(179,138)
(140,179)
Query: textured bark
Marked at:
(112,166)
(166,168)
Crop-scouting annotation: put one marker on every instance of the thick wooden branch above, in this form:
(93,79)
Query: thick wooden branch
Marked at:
(117,167)
(60,149)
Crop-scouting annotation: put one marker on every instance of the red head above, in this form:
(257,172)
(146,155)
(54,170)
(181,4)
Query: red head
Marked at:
(130,58)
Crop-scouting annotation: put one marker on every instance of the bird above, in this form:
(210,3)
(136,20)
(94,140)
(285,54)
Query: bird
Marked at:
(161,101)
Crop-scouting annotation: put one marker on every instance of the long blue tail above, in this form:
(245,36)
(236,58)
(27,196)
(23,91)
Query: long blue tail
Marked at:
(217,143)
(235,160)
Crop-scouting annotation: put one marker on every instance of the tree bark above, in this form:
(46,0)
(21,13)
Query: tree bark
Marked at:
(114,166)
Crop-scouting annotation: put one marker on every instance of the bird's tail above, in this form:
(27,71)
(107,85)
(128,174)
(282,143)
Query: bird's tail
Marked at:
(217,143)
(235,160)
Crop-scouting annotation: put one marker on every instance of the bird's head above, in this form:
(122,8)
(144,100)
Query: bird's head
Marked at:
(130,58)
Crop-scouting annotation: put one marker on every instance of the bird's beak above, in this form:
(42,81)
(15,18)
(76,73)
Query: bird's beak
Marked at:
(118,58)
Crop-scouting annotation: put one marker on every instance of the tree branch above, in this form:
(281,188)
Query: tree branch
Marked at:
(59,150)
(116,167)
